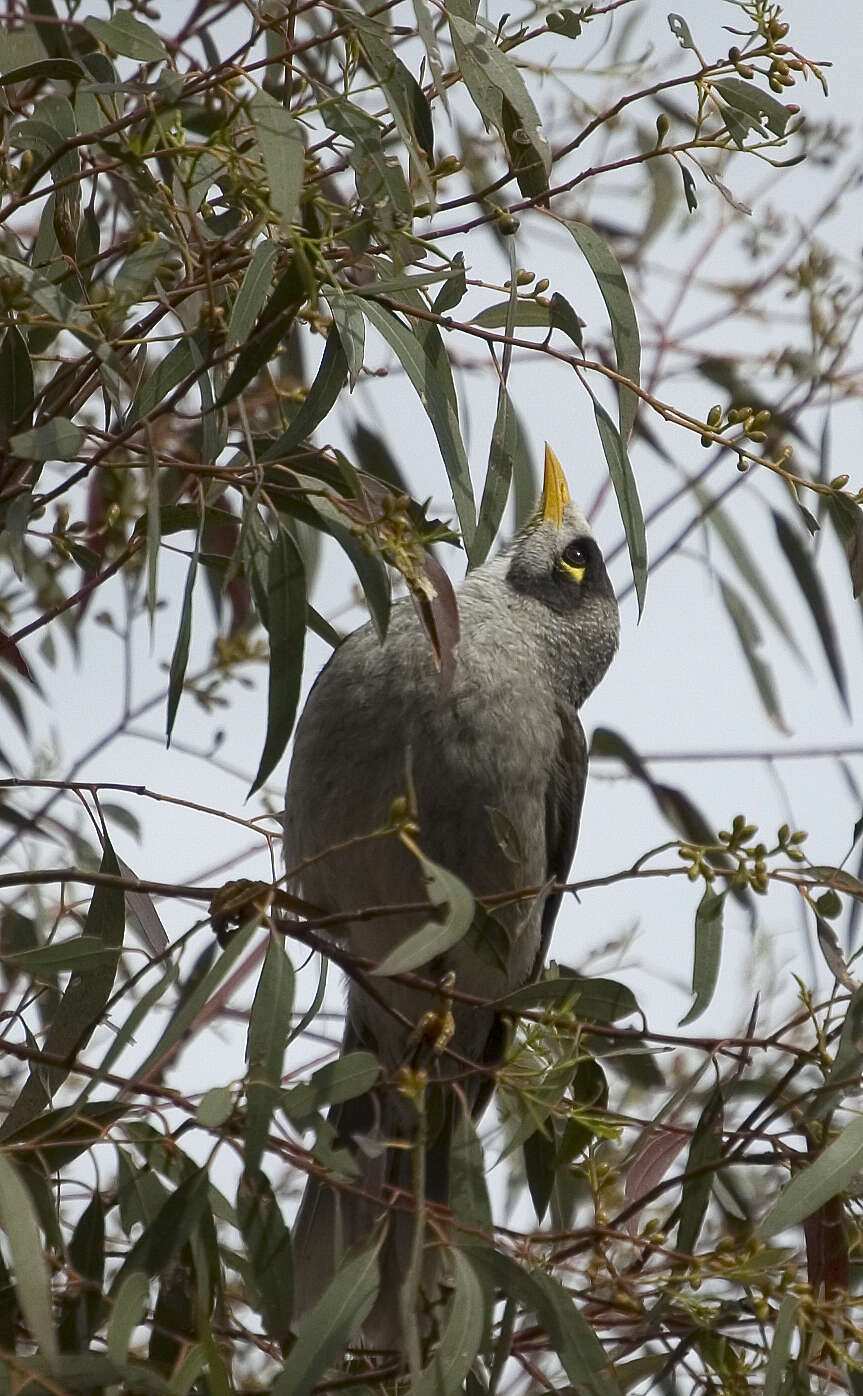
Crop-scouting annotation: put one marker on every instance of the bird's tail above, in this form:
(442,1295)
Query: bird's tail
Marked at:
(332,1220)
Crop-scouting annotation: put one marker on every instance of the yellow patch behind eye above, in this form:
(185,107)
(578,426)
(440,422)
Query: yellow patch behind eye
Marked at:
(577,573)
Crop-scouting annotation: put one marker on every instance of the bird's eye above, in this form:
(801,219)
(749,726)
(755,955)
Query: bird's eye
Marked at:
(574,561)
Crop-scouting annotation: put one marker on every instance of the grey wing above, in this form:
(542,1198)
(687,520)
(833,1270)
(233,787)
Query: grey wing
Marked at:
(563,800)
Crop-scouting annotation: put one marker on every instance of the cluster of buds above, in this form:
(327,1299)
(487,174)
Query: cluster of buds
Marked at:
(751,870)
(753,423)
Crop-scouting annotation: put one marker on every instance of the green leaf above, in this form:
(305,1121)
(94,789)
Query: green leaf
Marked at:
(193,1001)
(268,1244)
(749,636)
(425,362)
(809,1189)
(28,1259)
(83,1003)
(252,292)
(843,1075)
(810,584)
(628,502)
(58,439)
(468,1190)
(180,657)
(405,98)
(738,549)
(595,1000)
(128,36)
(565,22)
(493,80)
(580,1352)
(320,399)
(129,1301)
(539,1163)
(273,325)
(680,29)
(76,955)
(847,519)
(351,329)
(16,374)
(177,1220)
(462,1333)
(438,935)
(708,952)
(705,1149)
(215,1107)
(60,69)
(280,137)
(780,1348)
(621,312)
(178,364)
(501,459)
(269,1026)
(338,1313)
(348,1076)
(286,626)
(753,102)
(381,185)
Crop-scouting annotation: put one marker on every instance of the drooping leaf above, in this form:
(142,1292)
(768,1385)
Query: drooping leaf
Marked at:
(707,954)
(818,1182)
(253,291)
(83,1003)
(182,644)
(438,935)
(749,636)
(286,626)
(16,374)
(628,502)
(58,439)
(621,312)
(320,399)
(352,1074)
(780,1348)
(327,1328)
(268,1243)
(425,362)
(28,1260)
(462,1332)
(269,1025)
(810,584)
(280,137)
(468,1196)
(705,1149)
(129,36)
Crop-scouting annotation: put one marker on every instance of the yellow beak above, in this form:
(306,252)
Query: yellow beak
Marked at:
(555,491)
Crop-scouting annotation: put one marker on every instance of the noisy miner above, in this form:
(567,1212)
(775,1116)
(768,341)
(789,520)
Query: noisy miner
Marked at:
(492,768)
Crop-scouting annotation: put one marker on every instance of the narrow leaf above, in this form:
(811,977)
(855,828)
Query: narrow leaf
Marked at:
(286,626)
(708,952)
(180,657)
(83,1003)
(621,312)
(810,584)
(281,140)
(268,1244)
(628,502)
(749,636)
(705,1149)
(58,439)
(269,1025)
(462,1333)
(321,397)
(427,367)
(28,1260)
(253,292)
(780,1348)
(436,936)
(809,1189)
(337,1314)
(128,36)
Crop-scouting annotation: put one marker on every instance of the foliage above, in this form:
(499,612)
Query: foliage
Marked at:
(216,225)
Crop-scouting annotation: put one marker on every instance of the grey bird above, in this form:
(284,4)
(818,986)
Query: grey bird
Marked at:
(493,766)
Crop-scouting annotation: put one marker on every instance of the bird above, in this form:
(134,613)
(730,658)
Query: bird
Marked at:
(492,766)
